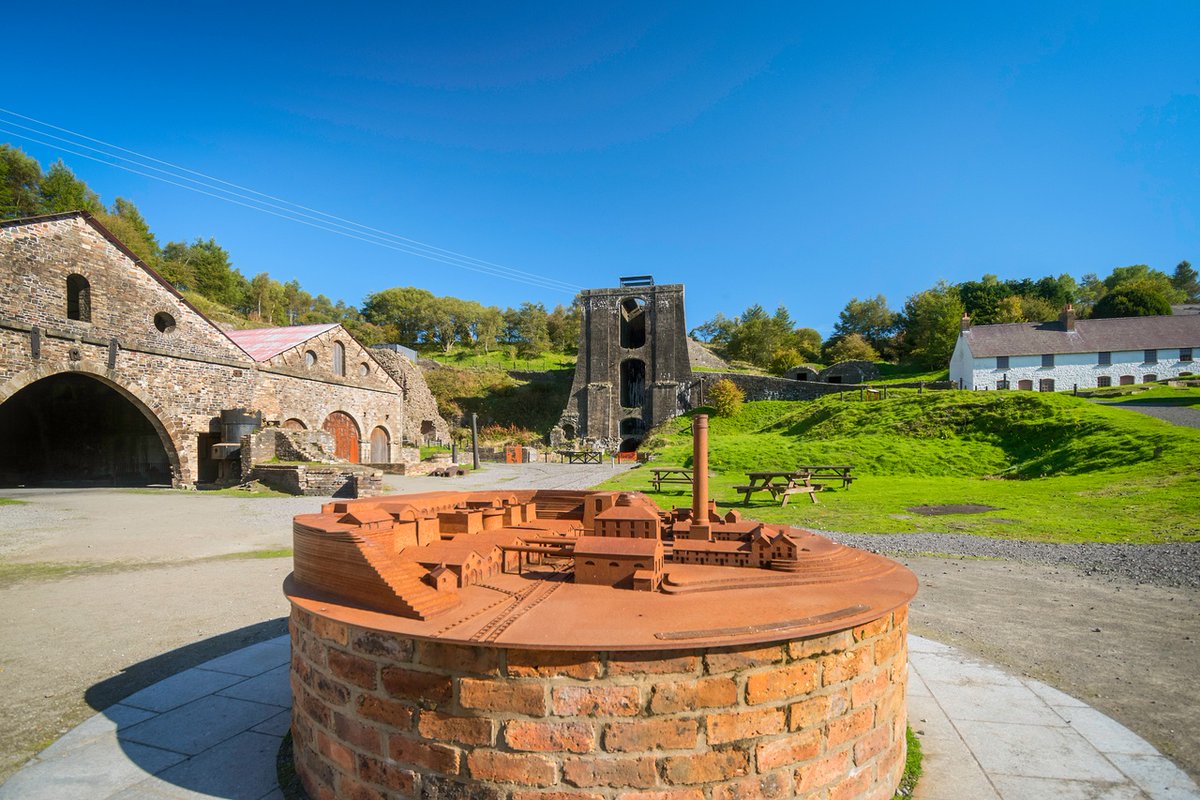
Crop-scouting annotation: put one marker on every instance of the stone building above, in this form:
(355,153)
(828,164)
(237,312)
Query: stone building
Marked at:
(108,374)
(1087,353)
(633,370)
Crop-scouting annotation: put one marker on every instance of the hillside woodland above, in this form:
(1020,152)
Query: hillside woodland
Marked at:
(488,355)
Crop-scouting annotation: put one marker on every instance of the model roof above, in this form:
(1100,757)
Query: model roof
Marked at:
(262,344)
(1089,336)
(614,546)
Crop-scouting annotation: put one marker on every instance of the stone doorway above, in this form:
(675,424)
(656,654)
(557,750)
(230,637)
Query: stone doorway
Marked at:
(380,446)
(73,428)
(345,435)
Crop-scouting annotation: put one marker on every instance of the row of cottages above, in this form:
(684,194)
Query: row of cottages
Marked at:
(1070,353)
(109,374)
(765,548)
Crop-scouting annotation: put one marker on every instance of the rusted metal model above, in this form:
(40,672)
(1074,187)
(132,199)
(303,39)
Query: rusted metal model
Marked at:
(552,569)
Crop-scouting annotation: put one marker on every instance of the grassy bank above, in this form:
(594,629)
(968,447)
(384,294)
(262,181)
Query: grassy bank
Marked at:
(1057,468)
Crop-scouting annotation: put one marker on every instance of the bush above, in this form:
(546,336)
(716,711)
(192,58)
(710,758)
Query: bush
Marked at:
(851,347)
(726,398)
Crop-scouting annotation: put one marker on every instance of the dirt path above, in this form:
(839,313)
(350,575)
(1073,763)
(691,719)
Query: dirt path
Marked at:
(74,645)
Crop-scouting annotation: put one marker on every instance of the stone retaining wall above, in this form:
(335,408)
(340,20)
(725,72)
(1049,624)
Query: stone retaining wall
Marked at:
(381,715)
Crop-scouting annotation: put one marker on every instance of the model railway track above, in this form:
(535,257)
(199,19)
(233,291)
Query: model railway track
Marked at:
(499,624)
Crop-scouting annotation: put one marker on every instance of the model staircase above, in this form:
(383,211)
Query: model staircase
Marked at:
(413,596)
(559,505)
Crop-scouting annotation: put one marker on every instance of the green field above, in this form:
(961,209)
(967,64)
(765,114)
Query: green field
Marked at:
(1058,468)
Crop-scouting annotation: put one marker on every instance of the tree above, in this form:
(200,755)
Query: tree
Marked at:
(1151,279)
(1091,290)
(1185,280)
(726,398)
(563,326)
(19,179)
(527,329)
(871,319)
(931,325)
(405,308)
(852,347)
(267,300)
(718,330)
(125,222)
(205,268)
(489,328)
(808,343)
(985,300)
(61,191)
(1140,299)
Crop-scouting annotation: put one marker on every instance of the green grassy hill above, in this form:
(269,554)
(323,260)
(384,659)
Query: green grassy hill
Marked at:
(526,403)
(1058,468)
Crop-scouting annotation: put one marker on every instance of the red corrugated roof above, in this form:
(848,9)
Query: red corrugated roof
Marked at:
(262,344)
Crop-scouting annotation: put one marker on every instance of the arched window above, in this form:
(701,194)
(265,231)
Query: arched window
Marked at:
(633,383)
(310,358)
(1151,378)
(79,298)
(363,370)
(589,563)
(339,359)
(633,322)
(613,564)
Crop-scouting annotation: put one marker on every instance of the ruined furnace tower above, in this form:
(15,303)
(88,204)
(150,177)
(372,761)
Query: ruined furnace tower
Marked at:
(633,370)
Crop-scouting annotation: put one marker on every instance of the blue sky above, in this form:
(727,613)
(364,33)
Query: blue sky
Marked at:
(758,153)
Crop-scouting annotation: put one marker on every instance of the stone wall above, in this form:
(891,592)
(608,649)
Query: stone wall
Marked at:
(345,480)
(420,407)
(179,377)
(378,714)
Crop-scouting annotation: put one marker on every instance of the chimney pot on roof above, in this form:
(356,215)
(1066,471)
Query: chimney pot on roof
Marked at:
(1067,317)
(964,324)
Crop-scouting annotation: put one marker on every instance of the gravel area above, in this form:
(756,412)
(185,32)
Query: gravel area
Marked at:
(1167,565)
(1176,415)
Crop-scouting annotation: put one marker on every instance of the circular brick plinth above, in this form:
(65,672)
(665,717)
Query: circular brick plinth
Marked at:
(380,715)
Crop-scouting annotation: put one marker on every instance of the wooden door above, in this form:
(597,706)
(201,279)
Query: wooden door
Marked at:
(345,435)
(379,447)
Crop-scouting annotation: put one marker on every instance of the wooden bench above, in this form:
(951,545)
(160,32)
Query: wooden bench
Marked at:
(829,472)
(670,475)
(781,485)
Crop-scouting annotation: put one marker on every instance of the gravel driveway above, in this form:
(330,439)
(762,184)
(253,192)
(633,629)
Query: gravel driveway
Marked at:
(1176,415)
(157,586)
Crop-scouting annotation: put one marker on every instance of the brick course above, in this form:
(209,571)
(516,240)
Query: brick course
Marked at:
(812,718)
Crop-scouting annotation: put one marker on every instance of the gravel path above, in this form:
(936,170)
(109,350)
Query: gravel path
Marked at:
(1168,565)
(1176,415)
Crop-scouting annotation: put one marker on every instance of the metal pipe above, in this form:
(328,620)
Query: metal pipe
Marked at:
(474,441)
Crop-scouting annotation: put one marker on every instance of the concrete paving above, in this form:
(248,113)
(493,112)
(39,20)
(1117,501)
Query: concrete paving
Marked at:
(214,731)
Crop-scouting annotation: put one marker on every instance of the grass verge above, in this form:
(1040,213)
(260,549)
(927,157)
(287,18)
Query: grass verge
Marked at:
(8,501)
(912,767)
(1059,468)
(16,572)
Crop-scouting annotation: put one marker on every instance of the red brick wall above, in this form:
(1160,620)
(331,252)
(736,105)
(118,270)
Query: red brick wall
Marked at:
(381,715)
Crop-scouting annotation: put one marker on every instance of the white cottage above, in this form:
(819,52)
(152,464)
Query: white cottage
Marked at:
(1050,356)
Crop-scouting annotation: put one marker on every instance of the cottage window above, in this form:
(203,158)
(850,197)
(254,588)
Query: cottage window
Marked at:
(1104,359)
(79,298)
(1046,385)
(1103,381)
(1126,380)
(1185,354)
(1001,362)
(1151,378)
(1025,386)
(1151,357)
(1001,384)
(339,359)
(1048,360)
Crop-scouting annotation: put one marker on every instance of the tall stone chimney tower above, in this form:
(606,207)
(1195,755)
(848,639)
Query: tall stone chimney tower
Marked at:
(633,370)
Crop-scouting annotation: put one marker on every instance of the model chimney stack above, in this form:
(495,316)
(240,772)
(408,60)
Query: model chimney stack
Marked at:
(700,526)
(964,324)
(1067,317)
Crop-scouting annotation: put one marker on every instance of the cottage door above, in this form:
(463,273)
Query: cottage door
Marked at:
(345,435)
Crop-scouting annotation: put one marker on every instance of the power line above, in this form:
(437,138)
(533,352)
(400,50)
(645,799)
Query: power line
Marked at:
(282,208)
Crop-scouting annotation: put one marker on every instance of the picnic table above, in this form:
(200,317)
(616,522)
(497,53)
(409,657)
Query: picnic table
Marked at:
(780,485)
(834,472)
(582,456)
(670,475)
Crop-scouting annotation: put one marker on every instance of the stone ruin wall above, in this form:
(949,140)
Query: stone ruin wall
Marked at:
(380,714)
(183,377)
(420,405)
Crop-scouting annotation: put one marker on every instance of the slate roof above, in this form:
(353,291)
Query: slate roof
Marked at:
(262,344)
(1089,336)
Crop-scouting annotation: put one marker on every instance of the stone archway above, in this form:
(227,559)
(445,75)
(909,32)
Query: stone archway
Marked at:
(76,422)
(346,435)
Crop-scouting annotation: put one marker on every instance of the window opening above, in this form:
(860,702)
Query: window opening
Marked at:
(79,298)
(633,322)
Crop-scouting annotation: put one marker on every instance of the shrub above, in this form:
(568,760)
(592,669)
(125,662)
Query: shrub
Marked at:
(726,398)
